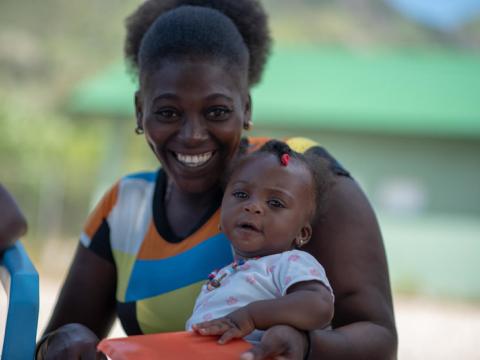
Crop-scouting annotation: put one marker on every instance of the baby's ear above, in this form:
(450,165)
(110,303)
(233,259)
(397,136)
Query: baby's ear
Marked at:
(303,236)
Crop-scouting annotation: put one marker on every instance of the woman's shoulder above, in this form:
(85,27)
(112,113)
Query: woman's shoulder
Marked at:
(126,188)
(146,176)
(301,144)
(138,186)
(138,180)
(297,143)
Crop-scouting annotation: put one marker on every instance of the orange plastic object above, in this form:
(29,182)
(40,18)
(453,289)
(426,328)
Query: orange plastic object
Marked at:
(172,346)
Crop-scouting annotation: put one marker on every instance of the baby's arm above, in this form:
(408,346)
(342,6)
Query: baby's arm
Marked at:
(308,305)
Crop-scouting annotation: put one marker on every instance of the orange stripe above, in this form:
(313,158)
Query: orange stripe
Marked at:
(101,211)
(154,247)
(256,142)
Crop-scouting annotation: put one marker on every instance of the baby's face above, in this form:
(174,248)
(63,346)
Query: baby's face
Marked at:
(266,206)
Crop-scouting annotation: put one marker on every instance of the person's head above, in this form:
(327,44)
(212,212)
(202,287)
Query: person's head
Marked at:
(196,61)
(270,201)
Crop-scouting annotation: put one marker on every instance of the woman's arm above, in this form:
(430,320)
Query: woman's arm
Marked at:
(85,309)
(12,222)
(349,245)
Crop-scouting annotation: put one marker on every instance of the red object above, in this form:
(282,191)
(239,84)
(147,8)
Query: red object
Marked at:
(172,346)
(284,159)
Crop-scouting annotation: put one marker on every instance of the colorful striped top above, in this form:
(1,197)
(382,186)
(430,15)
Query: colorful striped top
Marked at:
(159,274)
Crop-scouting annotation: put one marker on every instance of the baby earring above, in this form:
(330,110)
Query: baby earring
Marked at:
(139,130)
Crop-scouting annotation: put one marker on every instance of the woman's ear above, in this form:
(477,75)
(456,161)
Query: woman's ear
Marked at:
(138,109)
(304,235)
(247,119)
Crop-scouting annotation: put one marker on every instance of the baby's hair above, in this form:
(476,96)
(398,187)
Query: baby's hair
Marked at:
(211,37)
(280,149)
(317,167)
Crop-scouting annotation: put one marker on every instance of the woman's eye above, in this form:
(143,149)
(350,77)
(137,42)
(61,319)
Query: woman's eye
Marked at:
(168,114)
(218,113)
(275,203)
(240,194)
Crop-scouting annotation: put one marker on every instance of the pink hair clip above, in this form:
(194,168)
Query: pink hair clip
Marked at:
(284,159)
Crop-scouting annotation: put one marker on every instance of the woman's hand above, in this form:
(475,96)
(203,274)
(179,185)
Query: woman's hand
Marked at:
(280,342)
(71,341)
(87,297)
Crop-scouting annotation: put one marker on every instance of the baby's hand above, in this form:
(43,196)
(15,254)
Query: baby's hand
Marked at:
(237,324)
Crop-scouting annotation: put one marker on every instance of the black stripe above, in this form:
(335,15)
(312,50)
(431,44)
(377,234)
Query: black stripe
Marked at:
(100,243)
(127,313)
(160,215)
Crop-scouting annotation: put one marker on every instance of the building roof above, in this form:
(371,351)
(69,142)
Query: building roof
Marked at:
(416,92)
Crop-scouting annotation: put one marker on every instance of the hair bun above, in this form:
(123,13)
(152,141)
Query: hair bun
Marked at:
(248,16)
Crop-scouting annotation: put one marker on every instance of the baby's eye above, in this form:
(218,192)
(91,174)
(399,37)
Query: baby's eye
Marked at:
(275,203)
(218,113)
(240,195)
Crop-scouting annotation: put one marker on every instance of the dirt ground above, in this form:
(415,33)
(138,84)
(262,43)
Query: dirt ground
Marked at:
(428,328)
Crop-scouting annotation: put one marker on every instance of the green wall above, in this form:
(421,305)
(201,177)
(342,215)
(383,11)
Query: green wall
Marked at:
(446,170)
(434,249)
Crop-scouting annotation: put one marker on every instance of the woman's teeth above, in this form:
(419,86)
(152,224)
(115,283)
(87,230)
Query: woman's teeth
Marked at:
(194,160)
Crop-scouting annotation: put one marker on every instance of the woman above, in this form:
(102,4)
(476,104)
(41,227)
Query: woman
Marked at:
(154,237)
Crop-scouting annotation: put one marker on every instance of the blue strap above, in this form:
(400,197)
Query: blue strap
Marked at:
(22,317)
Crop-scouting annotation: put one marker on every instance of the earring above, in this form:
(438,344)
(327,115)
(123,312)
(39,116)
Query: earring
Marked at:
(248,125)
(139,130)
(300,243)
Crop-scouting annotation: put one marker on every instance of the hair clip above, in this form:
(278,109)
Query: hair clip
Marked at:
(284,159)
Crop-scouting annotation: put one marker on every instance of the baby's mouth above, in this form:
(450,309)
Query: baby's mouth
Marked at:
(249,226)
(195,160)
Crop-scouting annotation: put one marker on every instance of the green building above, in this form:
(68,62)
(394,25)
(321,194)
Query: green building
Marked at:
(406,123)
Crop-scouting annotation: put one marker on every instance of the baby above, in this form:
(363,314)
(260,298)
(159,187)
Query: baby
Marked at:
(267,209)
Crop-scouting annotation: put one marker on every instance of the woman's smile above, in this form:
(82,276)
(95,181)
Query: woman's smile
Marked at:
(190,163)
(194,160)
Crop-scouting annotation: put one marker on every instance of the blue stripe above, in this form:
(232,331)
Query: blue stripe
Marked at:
(147,176)
(154,277)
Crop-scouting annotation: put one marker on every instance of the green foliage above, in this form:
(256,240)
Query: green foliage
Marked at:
(49,163)
(53,161)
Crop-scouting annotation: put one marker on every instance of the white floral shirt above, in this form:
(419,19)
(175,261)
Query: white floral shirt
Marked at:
(268,277)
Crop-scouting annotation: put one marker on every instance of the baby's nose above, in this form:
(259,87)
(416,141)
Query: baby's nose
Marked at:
(253,207)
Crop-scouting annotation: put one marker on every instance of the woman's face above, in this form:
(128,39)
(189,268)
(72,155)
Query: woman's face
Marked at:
(193,113)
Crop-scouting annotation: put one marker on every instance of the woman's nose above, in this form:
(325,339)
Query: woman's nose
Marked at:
(193,130)
(253,207)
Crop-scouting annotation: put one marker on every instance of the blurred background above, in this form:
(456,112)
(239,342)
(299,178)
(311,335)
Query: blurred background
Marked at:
(390,87)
